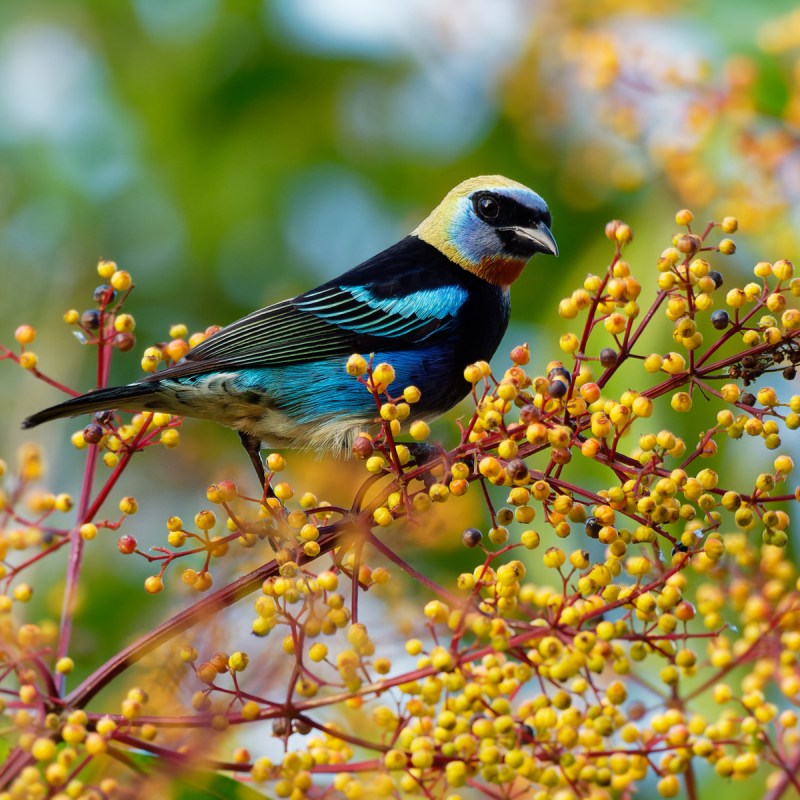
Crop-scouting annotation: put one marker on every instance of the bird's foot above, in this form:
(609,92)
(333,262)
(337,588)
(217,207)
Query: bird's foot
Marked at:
(426,455)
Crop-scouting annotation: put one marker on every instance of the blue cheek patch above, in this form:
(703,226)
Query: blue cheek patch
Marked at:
(473,238)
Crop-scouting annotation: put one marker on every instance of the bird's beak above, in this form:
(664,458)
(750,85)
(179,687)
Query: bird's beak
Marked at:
(538,238)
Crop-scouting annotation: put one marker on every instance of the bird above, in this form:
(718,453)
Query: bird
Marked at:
(429,305)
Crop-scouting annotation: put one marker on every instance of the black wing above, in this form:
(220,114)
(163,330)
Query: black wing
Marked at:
(396,298)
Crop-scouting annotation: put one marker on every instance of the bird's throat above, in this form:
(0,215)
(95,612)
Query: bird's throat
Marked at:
(499,271)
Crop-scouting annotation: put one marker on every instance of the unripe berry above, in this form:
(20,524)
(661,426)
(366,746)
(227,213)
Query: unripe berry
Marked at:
(419,430)
(554,557)
(25,334)
(356,365)
(411,394)
(622,233)
(674,363)
(783,270)
(28,360)
(106,268)
(382,376)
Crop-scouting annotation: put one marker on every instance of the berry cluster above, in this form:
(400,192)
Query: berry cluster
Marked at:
(624,612)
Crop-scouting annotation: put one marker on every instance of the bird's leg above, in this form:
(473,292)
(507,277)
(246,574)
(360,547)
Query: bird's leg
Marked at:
(252,444)
(422,453)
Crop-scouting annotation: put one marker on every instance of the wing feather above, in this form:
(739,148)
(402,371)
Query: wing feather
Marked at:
(372,313)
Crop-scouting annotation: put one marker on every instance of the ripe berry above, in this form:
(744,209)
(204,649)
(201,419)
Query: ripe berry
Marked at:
(593,527)
(104,294)
(90,318)
(560,373)
(720,320)
(688,244)
(517,469)
(471,537)
(92,433)
(124,342)
(608,357)
(716,277)
(362,447)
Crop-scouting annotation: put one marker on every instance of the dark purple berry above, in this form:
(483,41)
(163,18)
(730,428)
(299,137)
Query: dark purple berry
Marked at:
(471,537)
(362,447)
(528,414)
(104,294)
(608,357)
(593,527)
(720,320)
(747,399)
(302,727)
(560,373)
(716,277)
(124,341)
(90,319)
(557,389)
(92,433)
(517,469)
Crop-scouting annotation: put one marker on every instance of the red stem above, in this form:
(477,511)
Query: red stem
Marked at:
(74,564)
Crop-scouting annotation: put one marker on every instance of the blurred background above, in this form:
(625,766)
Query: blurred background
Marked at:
(232,153)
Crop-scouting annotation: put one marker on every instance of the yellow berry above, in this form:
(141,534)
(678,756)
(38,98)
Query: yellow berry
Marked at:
(25,334)
(419,430)
(28,360)
(105,268)
(382,377)
(411,394)
(356,365)
(121,280)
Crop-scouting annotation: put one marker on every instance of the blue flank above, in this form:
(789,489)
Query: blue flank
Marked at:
(307,392)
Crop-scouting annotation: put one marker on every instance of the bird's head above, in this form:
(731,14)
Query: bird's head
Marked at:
(490,226)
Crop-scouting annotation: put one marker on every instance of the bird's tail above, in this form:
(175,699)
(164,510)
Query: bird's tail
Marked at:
(130,396)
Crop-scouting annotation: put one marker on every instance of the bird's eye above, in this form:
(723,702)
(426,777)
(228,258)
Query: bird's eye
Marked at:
(488,207)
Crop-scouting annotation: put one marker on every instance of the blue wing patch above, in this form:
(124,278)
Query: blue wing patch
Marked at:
(362,310)
(328,322)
